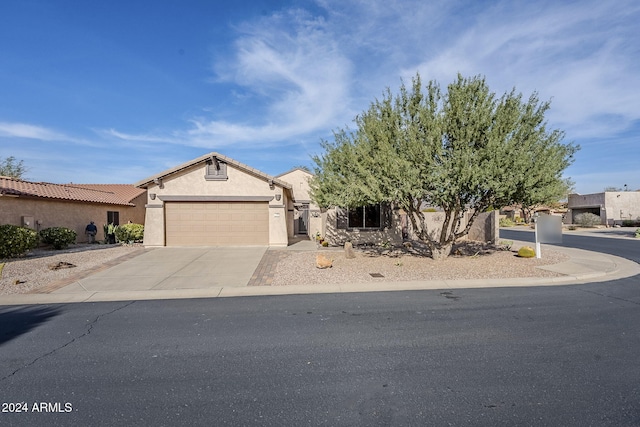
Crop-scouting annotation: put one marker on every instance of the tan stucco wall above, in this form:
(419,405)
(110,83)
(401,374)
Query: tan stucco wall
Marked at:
(299,181)
(191,182)
(72,215)
(485,228)
(338,237)
(615,206)
(624,205)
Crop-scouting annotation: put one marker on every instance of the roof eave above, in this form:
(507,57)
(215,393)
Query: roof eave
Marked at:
(202,159)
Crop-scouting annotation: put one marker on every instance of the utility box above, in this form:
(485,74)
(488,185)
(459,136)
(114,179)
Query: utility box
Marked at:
(28,222)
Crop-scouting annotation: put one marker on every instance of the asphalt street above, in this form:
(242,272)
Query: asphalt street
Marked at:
(563,355)
(626,248)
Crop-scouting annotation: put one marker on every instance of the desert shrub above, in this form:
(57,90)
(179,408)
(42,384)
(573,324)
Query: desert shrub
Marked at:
(587,219)
(16,241)
(505,245)
(129,233)
(58,237)
(638,233)
(506,222)
(630,222)
(526,252)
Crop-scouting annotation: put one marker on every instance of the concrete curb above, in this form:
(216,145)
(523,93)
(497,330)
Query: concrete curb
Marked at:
(583,267)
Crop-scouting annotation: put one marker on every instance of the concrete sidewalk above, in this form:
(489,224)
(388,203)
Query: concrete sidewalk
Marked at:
(167,273)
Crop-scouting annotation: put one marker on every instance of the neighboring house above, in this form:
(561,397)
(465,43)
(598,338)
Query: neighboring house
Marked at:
(515,212)
(40,205)
(217,201)
(612,207)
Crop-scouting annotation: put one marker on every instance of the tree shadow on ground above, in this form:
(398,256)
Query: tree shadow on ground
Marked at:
(420,249)
(19,321)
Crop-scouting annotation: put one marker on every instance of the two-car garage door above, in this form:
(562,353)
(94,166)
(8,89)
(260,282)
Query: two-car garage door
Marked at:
(217,223)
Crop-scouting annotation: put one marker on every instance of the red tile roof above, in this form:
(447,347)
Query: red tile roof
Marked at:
(112,194)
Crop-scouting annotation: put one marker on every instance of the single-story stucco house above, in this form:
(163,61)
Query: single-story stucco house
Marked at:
(613,207)
(217,201)
(40,205)
(214,200)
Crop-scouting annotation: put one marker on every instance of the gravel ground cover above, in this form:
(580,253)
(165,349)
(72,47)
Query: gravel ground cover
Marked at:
(468,262)
(23,275)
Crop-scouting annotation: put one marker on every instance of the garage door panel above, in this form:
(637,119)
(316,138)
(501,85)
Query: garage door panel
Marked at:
(216,223)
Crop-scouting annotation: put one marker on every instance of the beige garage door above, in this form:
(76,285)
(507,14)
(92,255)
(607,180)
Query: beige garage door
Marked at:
(217,223)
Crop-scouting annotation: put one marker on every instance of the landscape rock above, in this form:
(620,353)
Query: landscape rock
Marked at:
(349,253)
(323,262)
(59,265)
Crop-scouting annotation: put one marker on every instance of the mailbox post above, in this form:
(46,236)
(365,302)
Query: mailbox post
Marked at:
(548,230)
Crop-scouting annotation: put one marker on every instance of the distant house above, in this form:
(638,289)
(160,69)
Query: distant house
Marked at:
(516,213)
(613,207)
(40,205)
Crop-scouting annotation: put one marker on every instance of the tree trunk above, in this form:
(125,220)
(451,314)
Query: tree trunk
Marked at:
(441,252)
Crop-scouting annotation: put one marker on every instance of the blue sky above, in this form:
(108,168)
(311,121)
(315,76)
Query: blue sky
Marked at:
(115,91)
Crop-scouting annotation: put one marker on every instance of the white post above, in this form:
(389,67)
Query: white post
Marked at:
(535,220)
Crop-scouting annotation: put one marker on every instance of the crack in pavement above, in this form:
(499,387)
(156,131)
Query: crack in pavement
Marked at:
(88,332)
(608,296)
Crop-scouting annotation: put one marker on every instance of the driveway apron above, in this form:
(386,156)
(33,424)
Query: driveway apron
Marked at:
(176,268)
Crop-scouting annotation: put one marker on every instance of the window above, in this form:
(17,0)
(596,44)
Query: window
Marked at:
(216,171)
(113,217)
(364,217)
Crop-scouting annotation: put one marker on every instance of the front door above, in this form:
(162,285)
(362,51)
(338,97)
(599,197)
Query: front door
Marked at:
(303,219)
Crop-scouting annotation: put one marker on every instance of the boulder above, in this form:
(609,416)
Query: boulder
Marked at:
(323,262)
(349,253)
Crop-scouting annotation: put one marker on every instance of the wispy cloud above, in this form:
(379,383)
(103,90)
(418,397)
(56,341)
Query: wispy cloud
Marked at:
(23,130)
(574,53)
(39,133)
(289,68)
(293,65)
(301,73)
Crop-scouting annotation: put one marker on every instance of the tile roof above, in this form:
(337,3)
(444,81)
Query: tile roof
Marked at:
(112,194)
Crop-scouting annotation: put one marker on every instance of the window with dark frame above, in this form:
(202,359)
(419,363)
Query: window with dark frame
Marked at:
(113,217)
(364,217)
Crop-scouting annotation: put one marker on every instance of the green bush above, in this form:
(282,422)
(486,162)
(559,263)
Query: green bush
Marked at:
(638,233)
(16,241)
(129,233)
(506,222)
(630,222)
(58,237)
(587,219)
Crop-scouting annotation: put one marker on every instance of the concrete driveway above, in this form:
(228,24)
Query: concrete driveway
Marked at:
(202,268)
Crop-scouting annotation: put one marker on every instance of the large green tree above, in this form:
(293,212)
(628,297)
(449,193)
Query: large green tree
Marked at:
(464,150)
(10,167)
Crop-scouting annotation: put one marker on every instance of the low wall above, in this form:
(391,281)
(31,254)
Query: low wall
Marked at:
(485,228)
